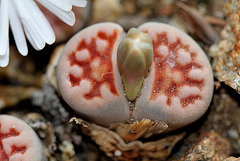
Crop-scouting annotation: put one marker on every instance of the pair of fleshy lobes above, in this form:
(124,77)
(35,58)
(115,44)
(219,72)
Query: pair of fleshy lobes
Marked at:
(157,68)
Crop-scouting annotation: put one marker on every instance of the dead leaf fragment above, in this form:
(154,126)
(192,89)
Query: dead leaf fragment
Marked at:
(145,128)
(196,23)
(114,145)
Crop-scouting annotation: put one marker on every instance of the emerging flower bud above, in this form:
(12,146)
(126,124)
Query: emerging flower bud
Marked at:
(134,57)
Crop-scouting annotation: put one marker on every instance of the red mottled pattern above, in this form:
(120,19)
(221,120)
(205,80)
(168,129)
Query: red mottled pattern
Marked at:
(163,83)
(105,68)
(14,149)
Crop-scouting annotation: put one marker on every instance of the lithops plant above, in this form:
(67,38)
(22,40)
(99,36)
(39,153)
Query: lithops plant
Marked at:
(18,141)
(160,74)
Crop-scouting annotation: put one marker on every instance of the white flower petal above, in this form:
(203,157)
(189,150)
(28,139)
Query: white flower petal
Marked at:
(79,3)
(4,26)
(32,39)
(17,30)
(29,24)
(33,36)
(66,16)
(42,24)
(26,19)
(62,4)
(4,59)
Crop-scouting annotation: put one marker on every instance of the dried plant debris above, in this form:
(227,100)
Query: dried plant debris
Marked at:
(225,54)
(43,128)
(144,128)
(196,23)
(12,95)
(45,131)
(209,146)
(223,117)
(115,147)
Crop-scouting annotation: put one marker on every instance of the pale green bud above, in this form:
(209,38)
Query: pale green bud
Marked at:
(134,57)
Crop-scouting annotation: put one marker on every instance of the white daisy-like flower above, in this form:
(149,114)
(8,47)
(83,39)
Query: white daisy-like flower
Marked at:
(25,18)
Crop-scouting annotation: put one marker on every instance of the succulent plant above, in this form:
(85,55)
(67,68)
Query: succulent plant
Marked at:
(157,69)
(18,141)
